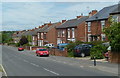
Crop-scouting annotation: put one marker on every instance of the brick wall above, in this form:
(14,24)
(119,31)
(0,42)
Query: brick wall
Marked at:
(114,57)
(57,52)
(80,32)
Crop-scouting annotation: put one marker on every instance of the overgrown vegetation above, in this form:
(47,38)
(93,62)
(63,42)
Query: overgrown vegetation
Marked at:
(23,41)
(71,46)
(98,51)
(6,36)
(98,54)
(113,34)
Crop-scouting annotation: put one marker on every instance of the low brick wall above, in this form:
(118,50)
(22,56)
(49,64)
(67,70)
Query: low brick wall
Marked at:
(58,52)
(114,57)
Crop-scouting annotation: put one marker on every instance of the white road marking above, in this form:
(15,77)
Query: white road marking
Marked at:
(4,70)
(51,71)
(81,66)
(25,61)
(34,64)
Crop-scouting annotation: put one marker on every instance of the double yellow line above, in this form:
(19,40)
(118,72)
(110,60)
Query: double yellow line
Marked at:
(3,70)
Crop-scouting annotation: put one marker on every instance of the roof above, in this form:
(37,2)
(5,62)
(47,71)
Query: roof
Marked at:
(46,28)
(52,26)
(73,22)
(117,10)
(21,34)
(103,14)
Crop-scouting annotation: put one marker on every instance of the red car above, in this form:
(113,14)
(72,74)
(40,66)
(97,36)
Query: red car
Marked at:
(20,48)
(42,52)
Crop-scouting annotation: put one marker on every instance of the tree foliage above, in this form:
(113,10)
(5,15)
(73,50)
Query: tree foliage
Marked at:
(98,51)
(6,36)
(23,40)
(113,34)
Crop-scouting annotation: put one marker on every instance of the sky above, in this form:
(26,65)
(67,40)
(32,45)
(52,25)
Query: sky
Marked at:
(24,14)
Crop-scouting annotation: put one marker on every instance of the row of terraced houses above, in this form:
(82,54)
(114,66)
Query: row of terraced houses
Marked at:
(82,28)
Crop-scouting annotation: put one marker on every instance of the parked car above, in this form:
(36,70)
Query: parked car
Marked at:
(20,48)
(61,46)
(82,50)
(49,45)
(42,52)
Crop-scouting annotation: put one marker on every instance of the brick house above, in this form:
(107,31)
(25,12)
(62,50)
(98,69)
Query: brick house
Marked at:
(17,36)
(47,34)
(116,14)
(96,23)
(71,30)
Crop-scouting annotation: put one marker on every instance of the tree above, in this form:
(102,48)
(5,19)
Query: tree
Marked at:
(23,40)
(113,34)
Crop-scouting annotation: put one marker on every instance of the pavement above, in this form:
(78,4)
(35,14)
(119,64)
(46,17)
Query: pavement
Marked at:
(26,63)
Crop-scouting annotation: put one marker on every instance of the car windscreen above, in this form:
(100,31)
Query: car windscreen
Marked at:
(42,49)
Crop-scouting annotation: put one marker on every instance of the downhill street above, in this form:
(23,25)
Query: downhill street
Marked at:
(21,63)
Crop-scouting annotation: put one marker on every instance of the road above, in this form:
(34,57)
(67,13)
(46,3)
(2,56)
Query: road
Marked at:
(20,63)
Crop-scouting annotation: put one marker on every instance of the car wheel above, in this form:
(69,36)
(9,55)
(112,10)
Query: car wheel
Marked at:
(82,54)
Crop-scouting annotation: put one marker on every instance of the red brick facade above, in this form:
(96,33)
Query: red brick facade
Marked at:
(96,30)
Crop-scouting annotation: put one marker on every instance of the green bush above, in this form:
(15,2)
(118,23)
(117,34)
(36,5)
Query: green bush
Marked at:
(71,46)
(97,51)
(17,44)
(11,43)
(95,42)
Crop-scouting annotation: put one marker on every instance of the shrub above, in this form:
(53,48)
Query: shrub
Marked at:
(70,47)
(17,44)
(97,51)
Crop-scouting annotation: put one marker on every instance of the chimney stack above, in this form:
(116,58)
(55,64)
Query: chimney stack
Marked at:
(49,24)
(92,13)
(63,21)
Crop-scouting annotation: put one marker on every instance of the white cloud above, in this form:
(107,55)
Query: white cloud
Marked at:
(27,15)
(60,0)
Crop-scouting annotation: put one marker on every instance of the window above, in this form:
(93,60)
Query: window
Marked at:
(89,26)
(58,33)
(33,38)
(41,35)
(38,35)
(63,33)
(103,37)
(102,24)
(89,37)
(68,32)
(73,32)
(44,35)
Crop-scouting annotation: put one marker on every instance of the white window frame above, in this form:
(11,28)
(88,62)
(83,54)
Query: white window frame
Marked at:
(38,35)
(89,37)
(89,26)
(59,33)
(73,32)
(102,24)
(68,32)
(63,33)
(103,36)
(41,35)
(33,38)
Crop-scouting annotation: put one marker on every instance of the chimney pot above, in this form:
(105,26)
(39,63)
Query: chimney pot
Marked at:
(92,13)
(63,21)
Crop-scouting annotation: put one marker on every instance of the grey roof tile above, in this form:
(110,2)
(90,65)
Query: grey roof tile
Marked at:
(103,14)
(73,22)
